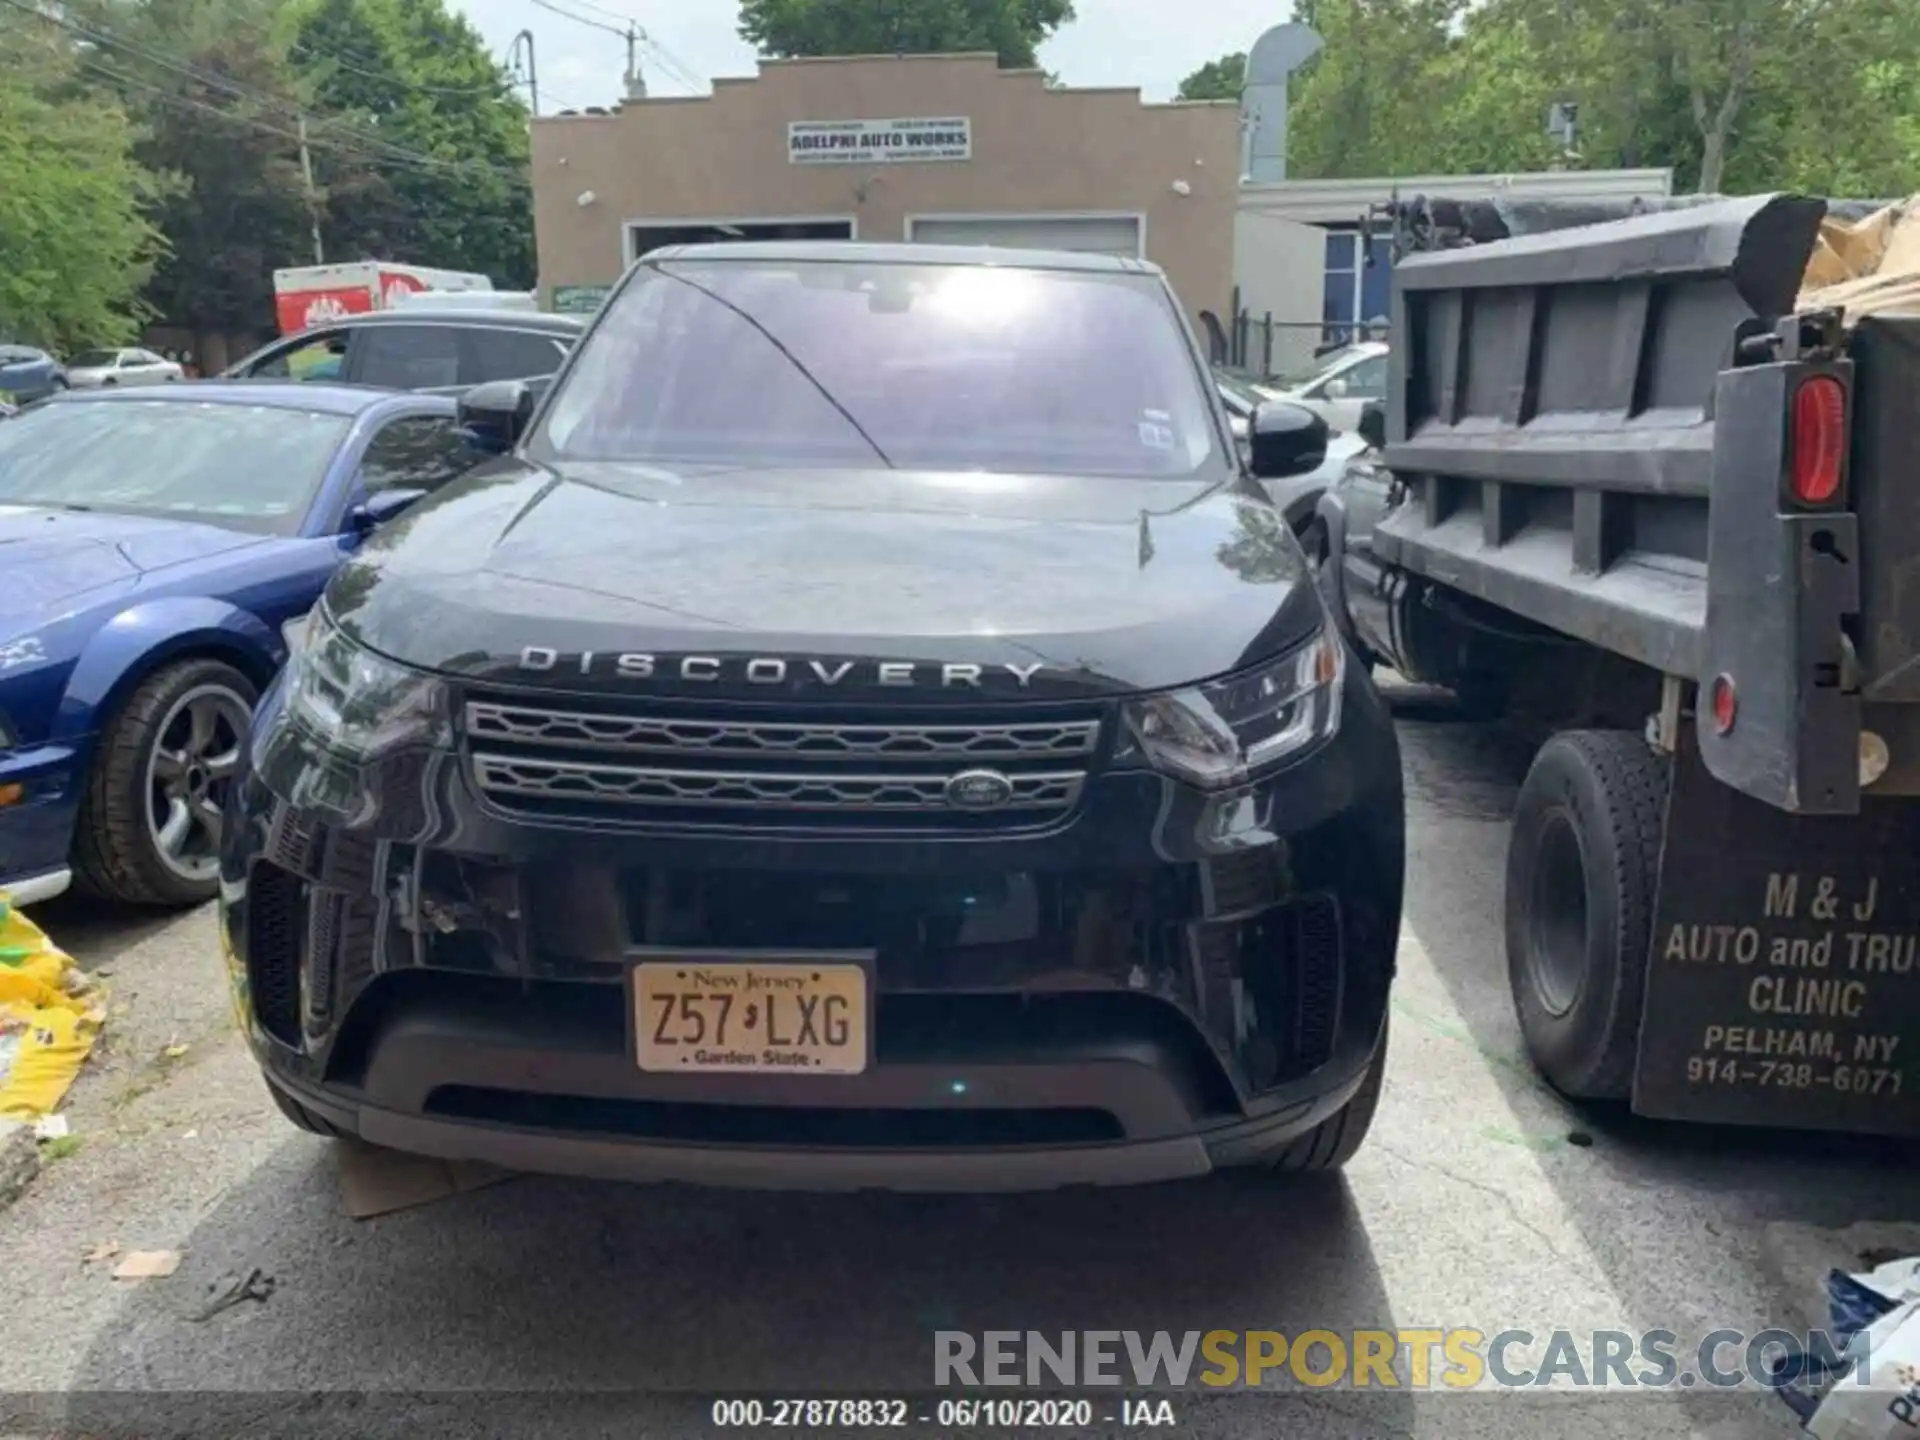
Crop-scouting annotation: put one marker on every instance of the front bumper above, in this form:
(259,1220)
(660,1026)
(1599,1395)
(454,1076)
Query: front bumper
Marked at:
(1163,984)
(36,830)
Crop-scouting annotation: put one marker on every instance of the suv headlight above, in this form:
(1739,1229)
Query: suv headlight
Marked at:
(357,703)
(1224,733)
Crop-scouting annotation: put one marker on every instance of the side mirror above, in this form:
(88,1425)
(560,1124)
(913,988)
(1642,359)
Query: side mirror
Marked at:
(1287,439)
(379,508)
(1336,389)
(1372,427)
(492,417)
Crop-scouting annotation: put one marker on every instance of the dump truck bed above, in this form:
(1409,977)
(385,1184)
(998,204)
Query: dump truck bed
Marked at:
(1592,421)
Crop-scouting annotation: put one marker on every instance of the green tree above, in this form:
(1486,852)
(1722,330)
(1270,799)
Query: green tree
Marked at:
(75,247)
(218,113)
(1221,79)
(1733,95)
(1859,66)
(1367,103)
(425,142)
(1012,29)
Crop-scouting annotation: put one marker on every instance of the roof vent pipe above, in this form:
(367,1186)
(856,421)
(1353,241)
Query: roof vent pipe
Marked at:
(1263,104)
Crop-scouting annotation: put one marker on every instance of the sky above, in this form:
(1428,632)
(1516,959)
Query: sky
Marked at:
(1150,43)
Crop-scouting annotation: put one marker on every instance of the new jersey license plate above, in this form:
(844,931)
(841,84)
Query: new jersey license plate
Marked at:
(794,1017)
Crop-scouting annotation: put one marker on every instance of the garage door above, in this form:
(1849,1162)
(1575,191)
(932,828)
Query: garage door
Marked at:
(1104,235)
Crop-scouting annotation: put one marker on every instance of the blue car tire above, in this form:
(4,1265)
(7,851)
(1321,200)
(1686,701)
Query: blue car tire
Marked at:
(150,820)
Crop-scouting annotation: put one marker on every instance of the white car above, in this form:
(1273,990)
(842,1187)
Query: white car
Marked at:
(1348,378)
(1296,496)
(92,369)
(524,301)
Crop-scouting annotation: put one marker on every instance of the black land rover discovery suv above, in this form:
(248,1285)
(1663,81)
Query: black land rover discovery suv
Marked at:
(865,730)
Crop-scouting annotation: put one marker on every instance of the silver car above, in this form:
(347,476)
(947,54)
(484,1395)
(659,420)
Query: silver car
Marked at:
(93,369)
(1296,496)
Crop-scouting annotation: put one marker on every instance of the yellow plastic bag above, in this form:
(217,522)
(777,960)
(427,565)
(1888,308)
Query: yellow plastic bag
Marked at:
(48,1024)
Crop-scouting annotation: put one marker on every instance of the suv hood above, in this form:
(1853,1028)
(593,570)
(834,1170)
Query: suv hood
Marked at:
(610,578)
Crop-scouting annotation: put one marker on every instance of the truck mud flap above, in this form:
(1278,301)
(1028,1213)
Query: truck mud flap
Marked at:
(1783,983)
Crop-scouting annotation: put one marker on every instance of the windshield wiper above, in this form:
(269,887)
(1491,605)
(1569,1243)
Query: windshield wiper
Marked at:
(793,360)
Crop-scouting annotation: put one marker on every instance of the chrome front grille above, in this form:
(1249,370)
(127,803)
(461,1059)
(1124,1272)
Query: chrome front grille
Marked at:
(846,774)
(746,789)
(661,735)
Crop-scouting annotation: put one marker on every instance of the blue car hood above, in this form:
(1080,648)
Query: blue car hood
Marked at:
(53,557)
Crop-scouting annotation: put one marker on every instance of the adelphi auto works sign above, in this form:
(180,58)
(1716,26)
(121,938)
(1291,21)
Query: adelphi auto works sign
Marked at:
(878,142)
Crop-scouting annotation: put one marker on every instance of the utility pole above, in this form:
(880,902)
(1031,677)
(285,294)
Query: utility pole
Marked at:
(636,82)
(525,37)
(313,199)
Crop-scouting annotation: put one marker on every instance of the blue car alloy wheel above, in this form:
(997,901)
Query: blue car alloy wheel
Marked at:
(149,829)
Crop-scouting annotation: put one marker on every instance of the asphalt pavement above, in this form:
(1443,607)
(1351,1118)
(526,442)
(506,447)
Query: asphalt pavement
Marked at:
(550,1307)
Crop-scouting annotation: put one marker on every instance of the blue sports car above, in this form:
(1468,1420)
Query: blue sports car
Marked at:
(153,542)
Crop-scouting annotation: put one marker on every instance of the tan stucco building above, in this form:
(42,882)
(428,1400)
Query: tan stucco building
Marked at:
(931,148)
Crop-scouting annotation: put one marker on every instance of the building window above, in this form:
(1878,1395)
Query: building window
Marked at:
(1354,298)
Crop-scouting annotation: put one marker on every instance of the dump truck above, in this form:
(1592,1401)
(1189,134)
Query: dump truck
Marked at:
(1648,485)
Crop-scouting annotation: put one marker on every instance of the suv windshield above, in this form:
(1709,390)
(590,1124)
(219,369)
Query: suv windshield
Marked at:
(244,467)
(842,363)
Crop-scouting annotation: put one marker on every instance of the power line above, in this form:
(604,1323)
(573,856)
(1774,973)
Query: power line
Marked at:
(348,64)
(666,57)
(398,153)
(633,33)
(672,63)
(476,88)
(580,19)
(99,68)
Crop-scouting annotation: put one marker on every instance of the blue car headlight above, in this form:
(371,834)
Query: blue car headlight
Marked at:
(1229,731)
(356,703)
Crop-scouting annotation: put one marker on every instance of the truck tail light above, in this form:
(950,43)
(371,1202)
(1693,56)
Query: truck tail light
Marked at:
(1724,703)
(1819,439)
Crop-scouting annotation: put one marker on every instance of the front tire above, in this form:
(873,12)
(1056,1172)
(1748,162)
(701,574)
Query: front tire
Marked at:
(1582,875)
(150,821)
(1337,1139)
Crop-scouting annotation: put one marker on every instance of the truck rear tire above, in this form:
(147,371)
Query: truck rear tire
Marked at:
(1583,868)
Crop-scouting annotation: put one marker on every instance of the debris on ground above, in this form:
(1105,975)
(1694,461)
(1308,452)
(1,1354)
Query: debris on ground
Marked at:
(374,1181)
(50,1017)
(100,1252)
(256,1285)
(147,1265)
(51,1127)
(174,1051)
(1866,1391)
